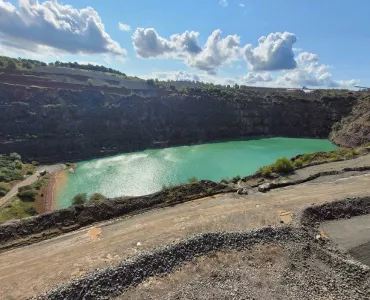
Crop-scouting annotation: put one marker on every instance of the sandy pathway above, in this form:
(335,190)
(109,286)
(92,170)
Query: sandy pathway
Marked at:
(36,268)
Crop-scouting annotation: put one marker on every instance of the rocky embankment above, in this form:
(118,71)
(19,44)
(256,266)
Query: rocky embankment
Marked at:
(311,256)
(354,129)
(50,124)
(15,233)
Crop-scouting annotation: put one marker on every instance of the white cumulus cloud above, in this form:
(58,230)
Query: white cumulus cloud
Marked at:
(216,51)
(254,78)
(310,72)
(32,26)
(124,27)
(274,52)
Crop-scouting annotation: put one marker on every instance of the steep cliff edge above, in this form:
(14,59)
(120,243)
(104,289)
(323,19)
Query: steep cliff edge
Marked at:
(49,124)
(354,129)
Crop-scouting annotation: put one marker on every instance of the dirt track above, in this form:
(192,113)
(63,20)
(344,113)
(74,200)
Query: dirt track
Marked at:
(29,180)
(70,255)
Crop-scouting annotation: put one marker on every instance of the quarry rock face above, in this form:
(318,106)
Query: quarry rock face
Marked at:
(50,124)
(354,129)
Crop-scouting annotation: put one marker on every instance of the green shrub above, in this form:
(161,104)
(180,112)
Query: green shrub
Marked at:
(225,180)
(18,164)
(283,165)
(31,211)
(14,156)
(3,177)
(35,163)
(307,158)
(27,195)
(350,154)
(37,185)
(97,197)
(298,163)
(266,171)
(342,151)
(334,156)
(89,82)
(193,180)
(29,172)
(236,178)
(79,199)
(5,186)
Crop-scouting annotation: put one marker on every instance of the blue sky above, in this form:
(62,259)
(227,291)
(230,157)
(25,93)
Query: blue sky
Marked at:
(314,43)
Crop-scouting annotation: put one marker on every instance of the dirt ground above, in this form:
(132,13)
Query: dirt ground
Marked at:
(352,235)
(263,272)
(36,268)
(333,166)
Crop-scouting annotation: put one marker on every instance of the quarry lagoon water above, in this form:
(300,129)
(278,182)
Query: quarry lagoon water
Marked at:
(145,172)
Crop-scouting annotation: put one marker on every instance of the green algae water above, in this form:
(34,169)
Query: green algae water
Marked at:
(145,172)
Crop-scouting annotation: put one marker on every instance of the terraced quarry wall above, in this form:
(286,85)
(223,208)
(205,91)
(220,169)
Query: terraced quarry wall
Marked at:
(51,125)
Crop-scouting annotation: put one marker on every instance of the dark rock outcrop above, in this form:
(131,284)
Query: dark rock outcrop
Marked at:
(354,129)
(49,124)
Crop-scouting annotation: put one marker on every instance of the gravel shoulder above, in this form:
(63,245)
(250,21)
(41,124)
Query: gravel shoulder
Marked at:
(63,258)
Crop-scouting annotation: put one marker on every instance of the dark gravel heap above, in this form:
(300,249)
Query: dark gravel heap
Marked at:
(312,216)
(111,282)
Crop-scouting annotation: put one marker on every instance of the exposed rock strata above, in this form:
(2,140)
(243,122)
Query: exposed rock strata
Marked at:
(49,124)
(354,129)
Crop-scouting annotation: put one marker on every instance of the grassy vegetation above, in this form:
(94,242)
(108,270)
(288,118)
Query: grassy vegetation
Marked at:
(24,204)
(298,163)
(11,171)
(193,180)
(79,199)
(17,209)
(97,197)
(281,166)
(82,198)
(284,165)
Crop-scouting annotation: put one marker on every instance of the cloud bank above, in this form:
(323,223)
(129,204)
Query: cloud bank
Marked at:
(216,52)
(33,25)
(274,62)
